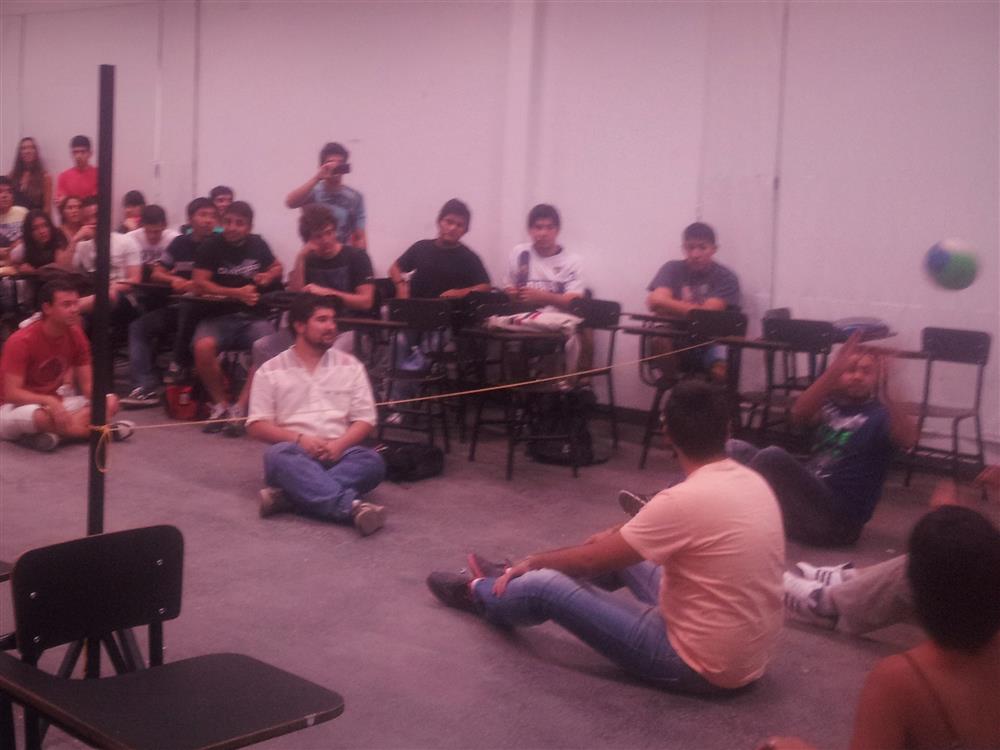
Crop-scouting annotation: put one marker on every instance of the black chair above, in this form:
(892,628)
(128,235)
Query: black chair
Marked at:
(600,315)
(960,347)
(92,590)
(753,402)
(427,327)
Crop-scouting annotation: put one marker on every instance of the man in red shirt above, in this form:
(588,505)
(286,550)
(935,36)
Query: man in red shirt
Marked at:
(80,180)
(46,378)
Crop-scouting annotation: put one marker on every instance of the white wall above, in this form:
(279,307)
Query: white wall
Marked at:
(634,118)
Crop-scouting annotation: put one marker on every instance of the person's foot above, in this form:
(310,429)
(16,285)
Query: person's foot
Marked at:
(368,518)
(274,500)
(236,427)
(632,502)
(802,599)
(452,590)
(121,430)
(828,575)
(45,442)
(480,567)
(141,398)
(216,413)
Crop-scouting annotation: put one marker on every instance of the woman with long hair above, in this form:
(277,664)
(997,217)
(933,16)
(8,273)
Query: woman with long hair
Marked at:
(44,243)
(70,216)
(32,184)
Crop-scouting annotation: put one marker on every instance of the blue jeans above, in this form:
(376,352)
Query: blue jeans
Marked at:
(631,634)
(322,489)
(153,326)
(809,509)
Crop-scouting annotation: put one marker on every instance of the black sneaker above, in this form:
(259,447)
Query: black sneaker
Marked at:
(480,567)
(452,589)
(141,398)
(632,502)
(45,442)
(237,424)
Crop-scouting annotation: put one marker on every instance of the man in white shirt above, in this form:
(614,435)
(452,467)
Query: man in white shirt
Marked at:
(315,405)
(711,550)
(152,237)
(542,272)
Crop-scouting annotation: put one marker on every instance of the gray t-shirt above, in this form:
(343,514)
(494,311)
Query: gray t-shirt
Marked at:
(717,282)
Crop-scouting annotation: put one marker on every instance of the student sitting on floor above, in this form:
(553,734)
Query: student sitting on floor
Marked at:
(943,693)
(235,265)
(315,405)
(46,379)
(710,550)
(828,501)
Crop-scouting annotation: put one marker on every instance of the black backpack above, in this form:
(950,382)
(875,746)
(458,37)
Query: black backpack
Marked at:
(410,462)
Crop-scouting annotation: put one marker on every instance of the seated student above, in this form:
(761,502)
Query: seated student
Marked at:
(172,267)
(542,273)
(32,183)
(828,501)
(42,244)
(46,379)
(327,188)
(442,267)
(126,268)
(70,217)
(152,237)
(237,265)
(315,405)
(80,180)
(860,600)
(695,283)
(942,693)
(132,205)
(326,268)
(710,549)
(11,221)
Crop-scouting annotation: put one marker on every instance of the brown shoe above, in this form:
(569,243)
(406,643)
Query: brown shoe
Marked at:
(274,500)
(368,518)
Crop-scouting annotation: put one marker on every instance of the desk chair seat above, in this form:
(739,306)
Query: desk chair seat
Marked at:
(212,701)
(91,592)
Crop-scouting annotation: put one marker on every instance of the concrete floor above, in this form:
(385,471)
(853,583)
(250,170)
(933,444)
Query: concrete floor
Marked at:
(354,614)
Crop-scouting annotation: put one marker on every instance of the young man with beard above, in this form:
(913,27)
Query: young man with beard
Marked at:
(315,405)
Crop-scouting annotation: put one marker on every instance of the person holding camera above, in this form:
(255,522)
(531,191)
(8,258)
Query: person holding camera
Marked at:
(326,187)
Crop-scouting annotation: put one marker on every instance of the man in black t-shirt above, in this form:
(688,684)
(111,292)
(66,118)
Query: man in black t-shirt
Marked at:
(235,265)
(173,269)
(326,268)
(442,267)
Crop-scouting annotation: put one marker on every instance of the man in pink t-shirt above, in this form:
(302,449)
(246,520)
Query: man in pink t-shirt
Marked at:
(704,558)
(46,378)
(80,180)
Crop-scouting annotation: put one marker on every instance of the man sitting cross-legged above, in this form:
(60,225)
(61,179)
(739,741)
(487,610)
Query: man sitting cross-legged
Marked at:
(46,378)
(710,548)
(315,405)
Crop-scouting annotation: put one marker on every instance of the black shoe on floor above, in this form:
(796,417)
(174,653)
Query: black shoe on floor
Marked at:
(632,502)
(452,590)
(480,567)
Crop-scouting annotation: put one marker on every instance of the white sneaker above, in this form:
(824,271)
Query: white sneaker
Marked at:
(46,442)
(121,430)
(801,598)
(828,575)
(274,500)
(368,518)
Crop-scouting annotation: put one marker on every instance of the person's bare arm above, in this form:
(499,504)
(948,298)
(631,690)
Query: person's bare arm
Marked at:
(297,276)
(880,722)
(606,553)
(459,293)
(807,406)
(661,301)
(541,298)
(15,393)
(271,274)
(361,298)
(401,284)
(161,275)
(203,284)
(83,375)
(300,195)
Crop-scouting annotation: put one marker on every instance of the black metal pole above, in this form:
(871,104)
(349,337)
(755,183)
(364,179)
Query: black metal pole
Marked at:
(100,339)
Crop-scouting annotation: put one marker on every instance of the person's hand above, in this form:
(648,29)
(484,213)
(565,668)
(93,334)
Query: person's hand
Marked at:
(60,417)
(313,445)
(333,450)
(945,493)
(130,223)
(181,285)
(260,279)
(516,570)
(849,349)
(248,295)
